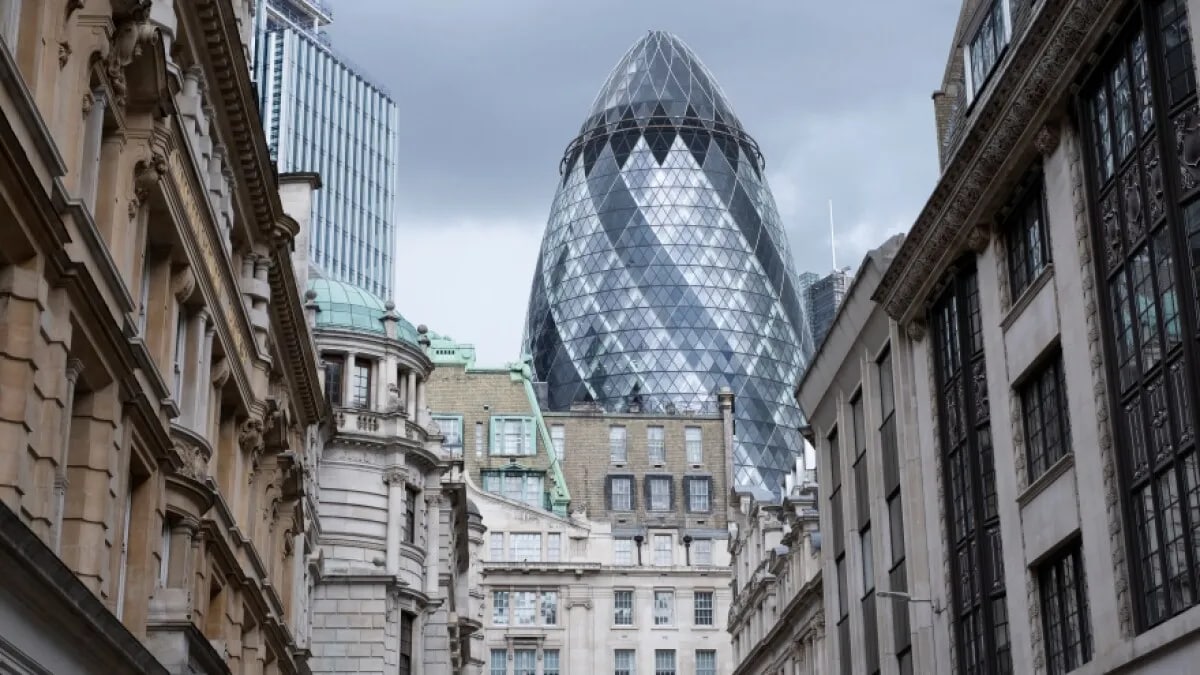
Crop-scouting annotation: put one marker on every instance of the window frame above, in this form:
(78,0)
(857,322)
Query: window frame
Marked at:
(973,88)
(699,613)
(1133,385)
(1040,453)
(618,444)
(661,500)
(618,595)
(656,447)
(689,483)
(610,494)
(697,546)
(669,549)
(1022,266)
(693,447)
(619,552)
(660,619)
(1055,597)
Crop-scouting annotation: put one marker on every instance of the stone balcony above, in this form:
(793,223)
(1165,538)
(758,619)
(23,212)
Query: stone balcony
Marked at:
(380,424)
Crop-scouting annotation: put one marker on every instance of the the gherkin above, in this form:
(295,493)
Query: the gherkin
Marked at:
(664,273)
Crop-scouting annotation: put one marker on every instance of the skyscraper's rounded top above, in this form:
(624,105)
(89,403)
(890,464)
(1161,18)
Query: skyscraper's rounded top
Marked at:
(660,69)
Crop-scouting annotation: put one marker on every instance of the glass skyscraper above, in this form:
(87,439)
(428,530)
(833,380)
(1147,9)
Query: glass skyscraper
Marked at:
(665,274)
(321,114)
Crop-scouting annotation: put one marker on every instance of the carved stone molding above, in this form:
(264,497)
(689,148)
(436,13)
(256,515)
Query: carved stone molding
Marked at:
(64,54)
(87,103)
(1037,67)
(395,476)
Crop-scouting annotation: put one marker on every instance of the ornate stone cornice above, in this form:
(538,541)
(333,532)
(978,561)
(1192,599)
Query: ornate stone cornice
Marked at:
(1042,61)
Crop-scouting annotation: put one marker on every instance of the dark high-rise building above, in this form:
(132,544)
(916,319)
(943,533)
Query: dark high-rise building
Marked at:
(665,274)
(822,297)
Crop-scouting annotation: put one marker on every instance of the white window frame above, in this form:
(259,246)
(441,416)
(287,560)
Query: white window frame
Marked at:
(664,607)
(702,552)
(496,546)
(656,444)
(627,494)
(664,550)
(618,608)
(525,546)
(501,607)
(660,493)
(692,495)
(694,445)
(624,662)
(553,547)
(622,551)
(711,608)
(512,436)
(558,438)
(973,87)
(618,445)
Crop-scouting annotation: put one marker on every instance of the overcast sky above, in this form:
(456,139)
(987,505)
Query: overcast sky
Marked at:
(490,92)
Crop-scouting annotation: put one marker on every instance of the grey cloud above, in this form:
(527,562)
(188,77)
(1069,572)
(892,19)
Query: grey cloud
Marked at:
(490,93)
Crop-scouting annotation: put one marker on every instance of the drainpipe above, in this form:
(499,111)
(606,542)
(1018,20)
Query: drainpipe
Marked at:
(687,549)
(638,539)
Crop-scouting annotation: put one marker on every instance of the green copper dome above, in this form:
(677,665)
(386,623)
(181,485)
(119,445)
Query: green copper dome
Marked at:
(342,305)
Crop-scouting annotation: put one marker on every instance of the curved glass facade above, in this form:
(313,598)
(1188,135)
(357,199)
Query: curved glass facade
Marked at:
(664,273)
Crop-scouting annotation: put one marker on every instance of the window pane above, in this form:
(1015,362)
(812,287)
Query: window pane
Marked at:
(623,608)
(704,608)
(698,495)
(623,551)
(663,553)
(664,608)
(558,436)
(616,444)
(660,494)
(499,663)
(655,445)
(496,547)
(554,547)
(702,552)
(623,662)
(706,662)
(664,662)
(500,608)
(550,662)
(694,442)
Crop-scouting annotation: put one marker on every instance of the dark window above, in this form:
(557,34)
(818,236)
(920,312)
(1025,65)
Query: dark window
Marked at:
(1065,620)
(619,493)
(1026,239)
(406,643)
(835,494)
(410,515)
(333,379)
(870,633)
(703,608)
(896,525)
(842,593)
(1044,409)
(844,651)
(858,417)
(660,493)
(1144,186)
(973,524)
(897,572)
(698,493)
(987,45)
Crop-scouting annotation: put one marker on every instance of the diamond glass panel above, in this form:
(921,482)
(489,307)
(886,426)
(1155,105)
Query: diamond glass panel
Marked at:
(665,273)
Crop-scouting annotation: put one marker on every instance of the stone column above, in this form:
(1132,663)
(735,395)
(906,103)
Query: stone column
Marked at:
(379,385)
(348,379)
(194,346)
(204,380)
(10,23)
(93,134)
(395,480)
(411,402)
(433,549)
(74,367)
(299,588)
(420,399)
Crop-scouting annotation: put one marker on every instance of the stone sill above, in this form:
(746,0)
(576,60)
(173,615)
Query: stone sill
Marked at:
(1026,296)
(1056,470)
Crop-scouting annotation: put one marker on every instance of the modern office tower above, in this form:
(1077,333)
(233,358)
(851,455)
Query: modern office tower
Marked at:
(665,273)
(822,297)
(321,114)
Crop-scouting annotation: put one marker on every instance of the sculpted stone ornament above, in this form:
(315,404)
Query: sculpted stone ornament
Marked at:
(132,32)
(915,330)
(395,476)
(1047,138)
(395,404)
(193,461)
(88,102)
(978,238)
(250,437)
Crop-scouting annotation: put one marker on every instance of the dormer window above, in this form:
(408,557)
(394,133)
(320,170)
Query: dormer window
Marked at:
(987,45)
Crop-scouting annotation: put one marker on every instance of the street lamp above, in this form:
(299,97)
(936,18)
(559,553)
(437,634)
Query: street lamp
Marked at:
(905,597)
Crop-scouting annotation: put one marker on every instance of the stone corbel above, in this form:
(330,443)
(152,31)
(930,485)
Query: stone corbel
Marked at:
(1048,137)
(395,476)
(284,230)
(979,237)
(146,175)
(132,32)
(87,103)
(250,438)
(915,329)
(183,282)
(193,461)
(220,372)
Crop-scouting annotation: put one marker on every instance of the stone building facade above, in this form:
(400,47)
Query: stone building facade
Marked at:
(777,618)
(605,543)
(395,542)
(1041,321)
(158,379)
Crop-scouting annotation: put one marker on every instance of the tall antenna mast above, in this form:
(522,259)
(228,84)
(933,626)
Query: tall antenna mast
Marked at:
(832,237)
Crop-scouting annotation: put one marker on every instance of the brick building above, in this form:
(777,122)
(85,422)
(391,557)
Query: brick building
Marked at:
(605,548)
